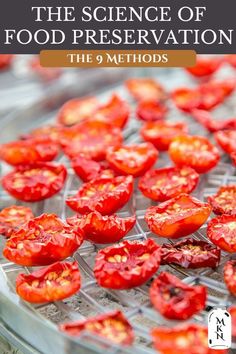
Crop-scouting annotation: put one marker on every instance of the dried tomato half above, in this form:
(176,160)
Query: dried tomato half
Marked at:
(186,99)
(102,229)
(51,132)
(230,276)
(222,232)
(151,110)
(105,195)
(190,253)
(35,182)
(127,264)
(206,120)
(205,67)
(43,240)
(5,61)
(227,140)
(112,326)
(13,217)
(166,183)
(177,217)
(53,283)
(132,160)
(194,151)
(176,300)
(145,89)
(224,201)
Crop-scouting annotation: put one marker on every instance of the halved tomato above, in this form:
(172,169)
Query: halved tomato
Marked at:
(32,183)
(43,240)
(177,217)
(105,195)
(224,201)
(13,217)
(232,311)
(230,276)
(133,159)
(145,89)
(186,99)
(227,140)
(53,283)
(151,110)
(166,183)
(194,151)
(127,264)
(5,61)
(51,132)
(176,300)
(102,229)
(190,253)
(226,86)
(77,110)
(207,121)
(212,94)
(222,232)
(112,326)
(205,67)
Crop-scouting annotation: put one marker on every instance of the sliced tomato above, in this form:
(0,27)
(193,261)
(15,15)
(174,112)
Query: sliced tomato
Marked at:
(227,86)
(212,94)
(161,134)
(224,201)
(145,89)
(222,232)
(46,74)
(43,240)
(35,182)
(112,326)
(166,183)
(25,152)
(176,300)
(105,195)
(53,283)
(205,67)
(185,339)
(186,99)
(233,157)
(133,159)
(127,264)
(91,139)
(51,132)
(5,61)
(232,311)
(194,151)
(151,110)
(230,276)
(190,253)
(177,217)
(227,140)
(13,217)
(77,110)
(207,121)
(102,229)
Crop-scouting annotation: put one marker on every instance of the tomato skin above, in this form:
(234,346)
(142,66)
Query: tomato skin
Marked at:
(190,253)
(145,89)
(194,151)
(5,61)
(232,311)
(205,67)
(31,183)
(161,134)
(176,300)
(13,217)
(151,110)
(206,120)
(222,232)
(63,278)
(121,266)
(166,183)
(177,217)
(186,99)
(230,276)
(133,159)
(42,241)
(227,140)
(224,201)
(103,229)
(105,195)
(112,326)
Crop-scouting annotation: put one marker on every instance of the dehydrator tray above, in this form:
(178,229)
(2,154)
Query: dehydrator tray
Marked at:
(33,328)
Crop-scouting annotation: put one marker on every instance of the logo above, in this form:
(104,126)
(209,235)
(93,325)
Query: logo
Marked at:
(219,329)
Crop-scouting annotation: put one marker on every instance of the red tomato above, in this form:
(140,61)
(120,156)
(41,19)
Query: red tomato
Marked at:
(132,160)
(190,253)
(43,240)
(46,74)
(177,217)
(222,232)
(227,140)
(227,86)
(5,61)
(233,157)
(232,311)
(230,276)
(161,134)
(105,195)
(224,201)
(194,151)
(212,94)
(186,99)
(113,326)
(35,182)
(103,229)
(127,264)
(145,89)
(91,139)
(51,132)
(232,60)
(30,151)
(185,339)
(166,183)
(53,283)
(176,300)
(77,110)
(206,120)
(151,110)
(13,217)
(116,112)
(205,67)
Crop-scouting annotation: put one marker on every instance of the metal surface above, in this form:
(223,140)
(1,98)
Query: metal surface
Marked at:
(37,325)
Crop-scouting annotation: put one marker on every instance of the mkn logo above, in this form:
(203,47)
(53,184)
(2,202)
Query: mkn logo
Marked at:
(219,329)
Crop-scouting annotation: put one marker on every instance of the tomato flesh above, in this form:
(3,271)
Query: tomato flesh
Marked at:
(186,99)
(224,201)
(13,217)
(145,89)
(222,232)
(206,120)
(230,276)
(5,61)
(205,67)
(233,157)
(227,140)
(151,110)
